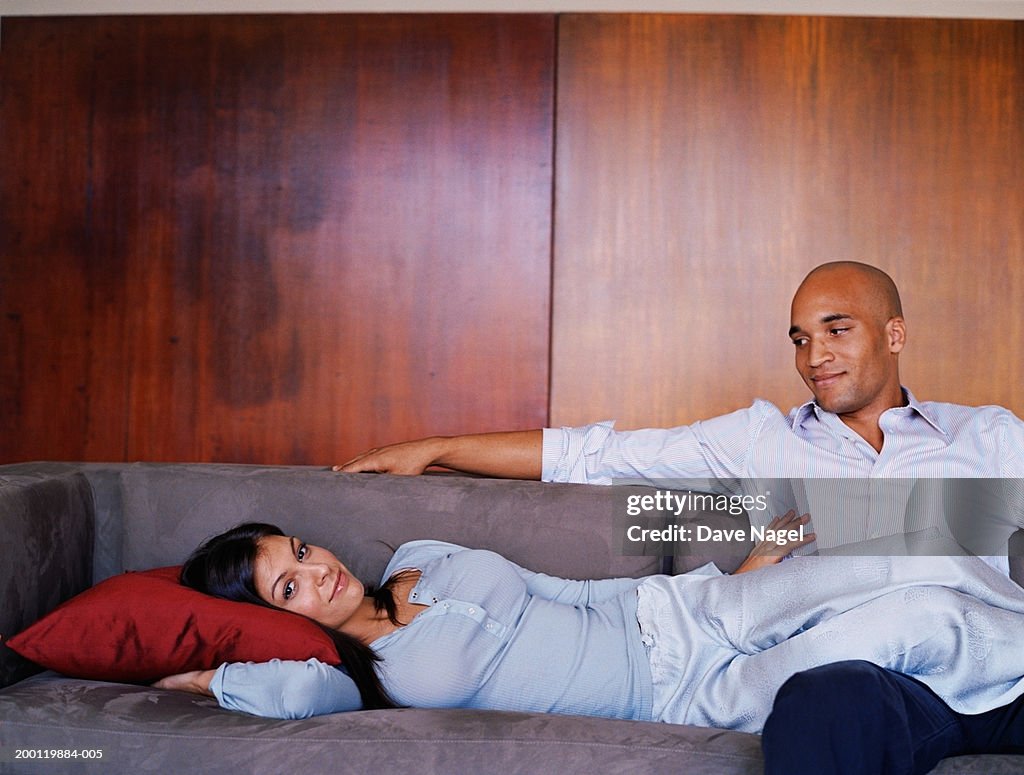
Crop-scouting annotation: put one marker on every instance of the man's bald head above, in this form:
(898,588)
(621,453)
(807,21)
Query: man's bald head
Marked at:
(869,282)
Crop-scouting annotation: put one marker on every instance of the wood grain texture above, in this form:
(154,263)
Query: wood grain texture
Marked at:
(275,239)
(705,163)
(283,239)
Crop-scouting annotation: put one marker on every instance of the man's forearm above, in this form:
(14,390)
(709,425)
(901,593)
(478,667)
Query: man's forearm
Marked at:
(509,455)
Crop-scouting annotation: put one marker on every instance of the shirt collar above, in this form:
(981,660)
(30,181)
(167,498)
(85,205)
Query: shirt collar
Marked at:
(921,409)
(805,411)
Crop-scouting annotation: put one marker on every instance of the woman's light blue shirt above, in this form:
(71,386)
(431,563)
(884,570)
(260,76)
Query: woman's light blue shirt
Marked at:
(494,635)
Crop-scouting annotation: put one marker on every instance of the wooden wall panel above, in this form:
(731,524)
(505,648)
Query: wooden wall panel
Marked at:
(705,163)
(275,239)
(284,239)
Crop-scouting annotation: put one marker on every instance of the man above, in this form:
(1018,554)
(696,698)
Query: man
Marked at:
(848,331)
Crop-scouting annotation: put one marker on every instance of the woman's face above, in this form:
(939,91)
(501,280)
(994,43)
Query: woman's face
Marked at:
(307,580)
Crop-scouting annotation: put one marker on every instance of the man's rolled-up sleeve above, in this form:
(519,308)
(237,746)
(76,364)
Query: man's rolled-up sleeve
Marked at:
(709,450)
(565,452)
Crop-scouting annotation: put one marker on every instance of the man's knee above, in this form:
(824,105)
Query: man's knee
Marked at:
(822,696)
(824,721)
(861,718)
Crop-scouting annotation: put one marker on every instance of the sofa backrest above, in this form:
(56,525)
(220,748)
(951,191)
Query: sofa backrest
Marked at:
(153,514)
(167,509)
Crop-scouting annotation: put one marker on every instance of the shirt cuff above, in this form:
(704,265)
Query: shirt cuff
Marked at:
(564,451)
(217,685)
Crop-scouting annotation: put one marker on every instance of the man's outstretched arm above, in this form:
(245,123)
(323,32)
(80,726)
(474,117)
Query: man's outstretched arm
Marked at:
(509,455)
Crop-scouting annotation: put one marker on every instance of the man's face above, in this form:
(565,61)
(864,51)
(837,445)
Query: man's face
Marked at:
(846,346)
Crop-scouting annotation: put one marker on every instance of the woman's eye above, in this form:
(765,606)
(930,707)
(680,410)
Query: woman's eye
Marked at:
(301,552)
(289,590)
(799,342)
(835,331)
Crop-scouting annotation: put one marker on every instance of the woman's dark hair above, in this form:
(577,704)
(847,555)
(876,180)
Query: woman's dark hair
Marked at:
(224,567)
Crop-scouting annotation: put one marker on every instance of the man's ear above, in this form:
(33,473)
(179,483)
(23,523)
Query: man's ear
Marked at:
(896,330)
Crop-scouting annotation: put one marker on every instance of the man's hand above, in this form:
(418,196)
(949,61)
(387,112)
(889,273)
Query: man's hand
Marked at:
(195,681)
(770,552)
(408,458)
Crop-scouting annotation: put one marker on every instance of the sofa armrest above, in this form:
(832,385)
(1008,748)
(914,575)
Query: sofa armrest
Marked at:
(47,524)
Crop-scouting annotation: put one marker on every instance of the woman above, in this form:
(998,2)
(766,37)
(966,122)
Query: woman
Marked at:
(455,627)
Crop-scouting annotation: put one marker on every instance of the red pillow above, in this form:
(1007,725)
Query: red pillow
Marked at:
(139,627)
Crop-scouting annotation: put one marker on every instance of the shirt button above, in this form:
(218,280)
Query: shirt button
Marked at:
(472,610)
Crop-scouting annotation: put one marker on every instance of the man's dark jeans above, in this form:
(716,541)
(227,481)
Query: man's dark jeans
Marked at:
(854,718)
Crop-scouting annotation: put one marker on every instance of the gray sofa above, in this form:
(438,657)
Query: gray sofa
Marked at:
(67,526)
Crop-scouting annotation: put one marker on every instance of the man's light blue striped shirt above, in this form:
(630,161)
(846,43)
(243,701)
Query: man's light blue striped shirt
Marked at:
(751,447)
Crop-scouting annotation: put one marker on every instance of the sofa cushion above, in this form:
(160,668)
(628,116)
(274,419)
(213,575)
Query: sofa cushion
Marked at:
(143,730)
(50,522)
(144,626)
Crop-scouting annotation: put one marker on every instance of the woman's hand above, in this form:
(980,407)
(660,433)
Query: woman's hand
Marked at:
(195,681)
(769,552)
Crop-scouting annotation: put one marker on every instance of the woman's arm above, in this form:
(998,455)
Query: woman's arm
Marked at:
(770,552)
(417,554)
(573,592)
(511,455)
(275,689)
